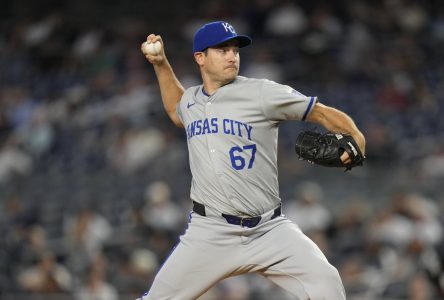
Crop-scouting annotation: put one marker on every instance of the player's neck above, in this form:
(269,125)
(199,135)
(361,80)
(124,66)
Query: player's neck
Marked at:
(210,89)
(211,86)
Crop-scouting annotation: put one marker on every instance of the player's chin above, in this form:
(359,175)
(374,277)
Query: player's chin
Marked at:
(231,73)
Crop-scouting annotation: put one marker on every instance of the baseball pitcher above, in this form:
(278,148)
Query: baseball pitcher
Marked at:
(231,125)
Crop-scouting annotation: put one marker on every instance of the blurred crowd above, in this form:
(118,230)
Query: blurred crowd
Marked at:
(94,179)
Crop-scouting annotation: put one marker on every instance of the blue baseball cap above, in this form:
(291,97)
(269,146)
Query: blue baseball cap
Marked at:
(216,33)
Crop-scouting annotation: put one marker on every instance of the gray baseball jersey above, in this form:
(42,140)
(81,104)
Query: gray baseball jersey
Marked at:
(232,141)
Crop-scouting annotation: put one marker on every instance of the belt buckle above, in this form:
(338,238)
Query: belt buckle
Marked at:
(251,221)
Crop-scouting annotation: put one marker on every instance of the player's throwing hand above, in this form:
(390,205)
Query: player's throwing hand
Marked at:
(151,49)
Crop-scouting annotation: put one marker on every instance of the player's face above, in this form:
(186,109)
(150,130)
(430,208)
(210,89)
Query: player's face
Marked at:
(221,63)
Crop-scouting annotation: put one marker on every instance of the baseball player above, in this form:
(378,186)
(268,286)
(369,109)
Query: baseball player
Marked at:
(236,225)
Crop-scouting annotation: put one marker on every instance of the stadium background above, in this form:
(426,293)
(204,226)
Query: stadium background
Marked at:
(94,179)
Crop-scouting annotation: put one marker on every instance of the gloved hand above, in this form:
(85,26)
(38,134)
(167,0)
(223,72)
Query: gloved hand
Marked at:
(326,149)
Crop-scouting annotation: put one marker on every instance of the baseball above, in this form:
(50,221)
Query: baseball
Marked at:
(152,48)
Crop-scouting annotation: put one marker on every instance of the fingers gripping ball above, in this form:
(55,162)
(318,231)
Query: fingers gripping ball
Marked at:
(326,149)
(152,48)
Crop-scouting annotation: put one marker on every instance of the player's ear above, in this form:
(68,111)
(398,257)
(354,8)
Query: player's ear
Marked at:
(199,57)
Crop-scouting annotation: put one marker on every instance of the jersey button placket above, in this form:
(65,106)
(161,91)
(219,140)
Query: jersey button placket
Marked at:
(211,148)
(208,114)
(207,109)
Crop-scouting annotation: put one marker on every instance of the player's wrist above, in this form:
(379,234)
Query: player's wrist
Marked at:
(360,140)
(161,64)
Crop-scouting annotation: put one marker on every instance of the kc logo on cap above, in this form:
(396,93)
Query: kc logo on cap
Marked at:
(215,33)
(228,27)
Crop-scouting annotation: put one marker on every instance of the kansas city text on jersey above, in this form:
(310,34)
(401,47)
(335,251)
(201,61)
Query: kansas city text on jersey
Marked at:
(213,125)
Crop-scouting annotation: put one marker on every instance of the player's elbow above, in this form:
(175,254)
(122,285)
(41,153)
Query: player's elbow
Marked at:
(175,119)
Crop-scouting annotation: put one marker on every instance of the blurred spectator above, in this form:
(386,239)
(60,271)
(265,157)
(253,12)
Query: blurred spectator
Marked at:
(350,228)
(432,166)
(360,44)
(143,263)
(96,287)
(86,233)
(307,210)
(411,17)
(160,212)
(35,245)
(321,33)
(381,144)
(38,135)
(263,66)
(353,276)
(19,106)
(135,148)
(47,276)
(411,218)
(36,33)
(136,271)
(419,288)
(285,19)
(13,161)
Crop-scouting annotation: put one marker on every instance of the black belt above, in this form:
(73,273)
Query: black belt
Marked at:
(249,222)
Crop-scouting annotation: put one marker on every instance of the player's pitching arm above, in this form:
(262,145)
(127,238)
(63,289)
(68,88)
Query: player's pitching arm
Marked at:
(171,89)
(338,122)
